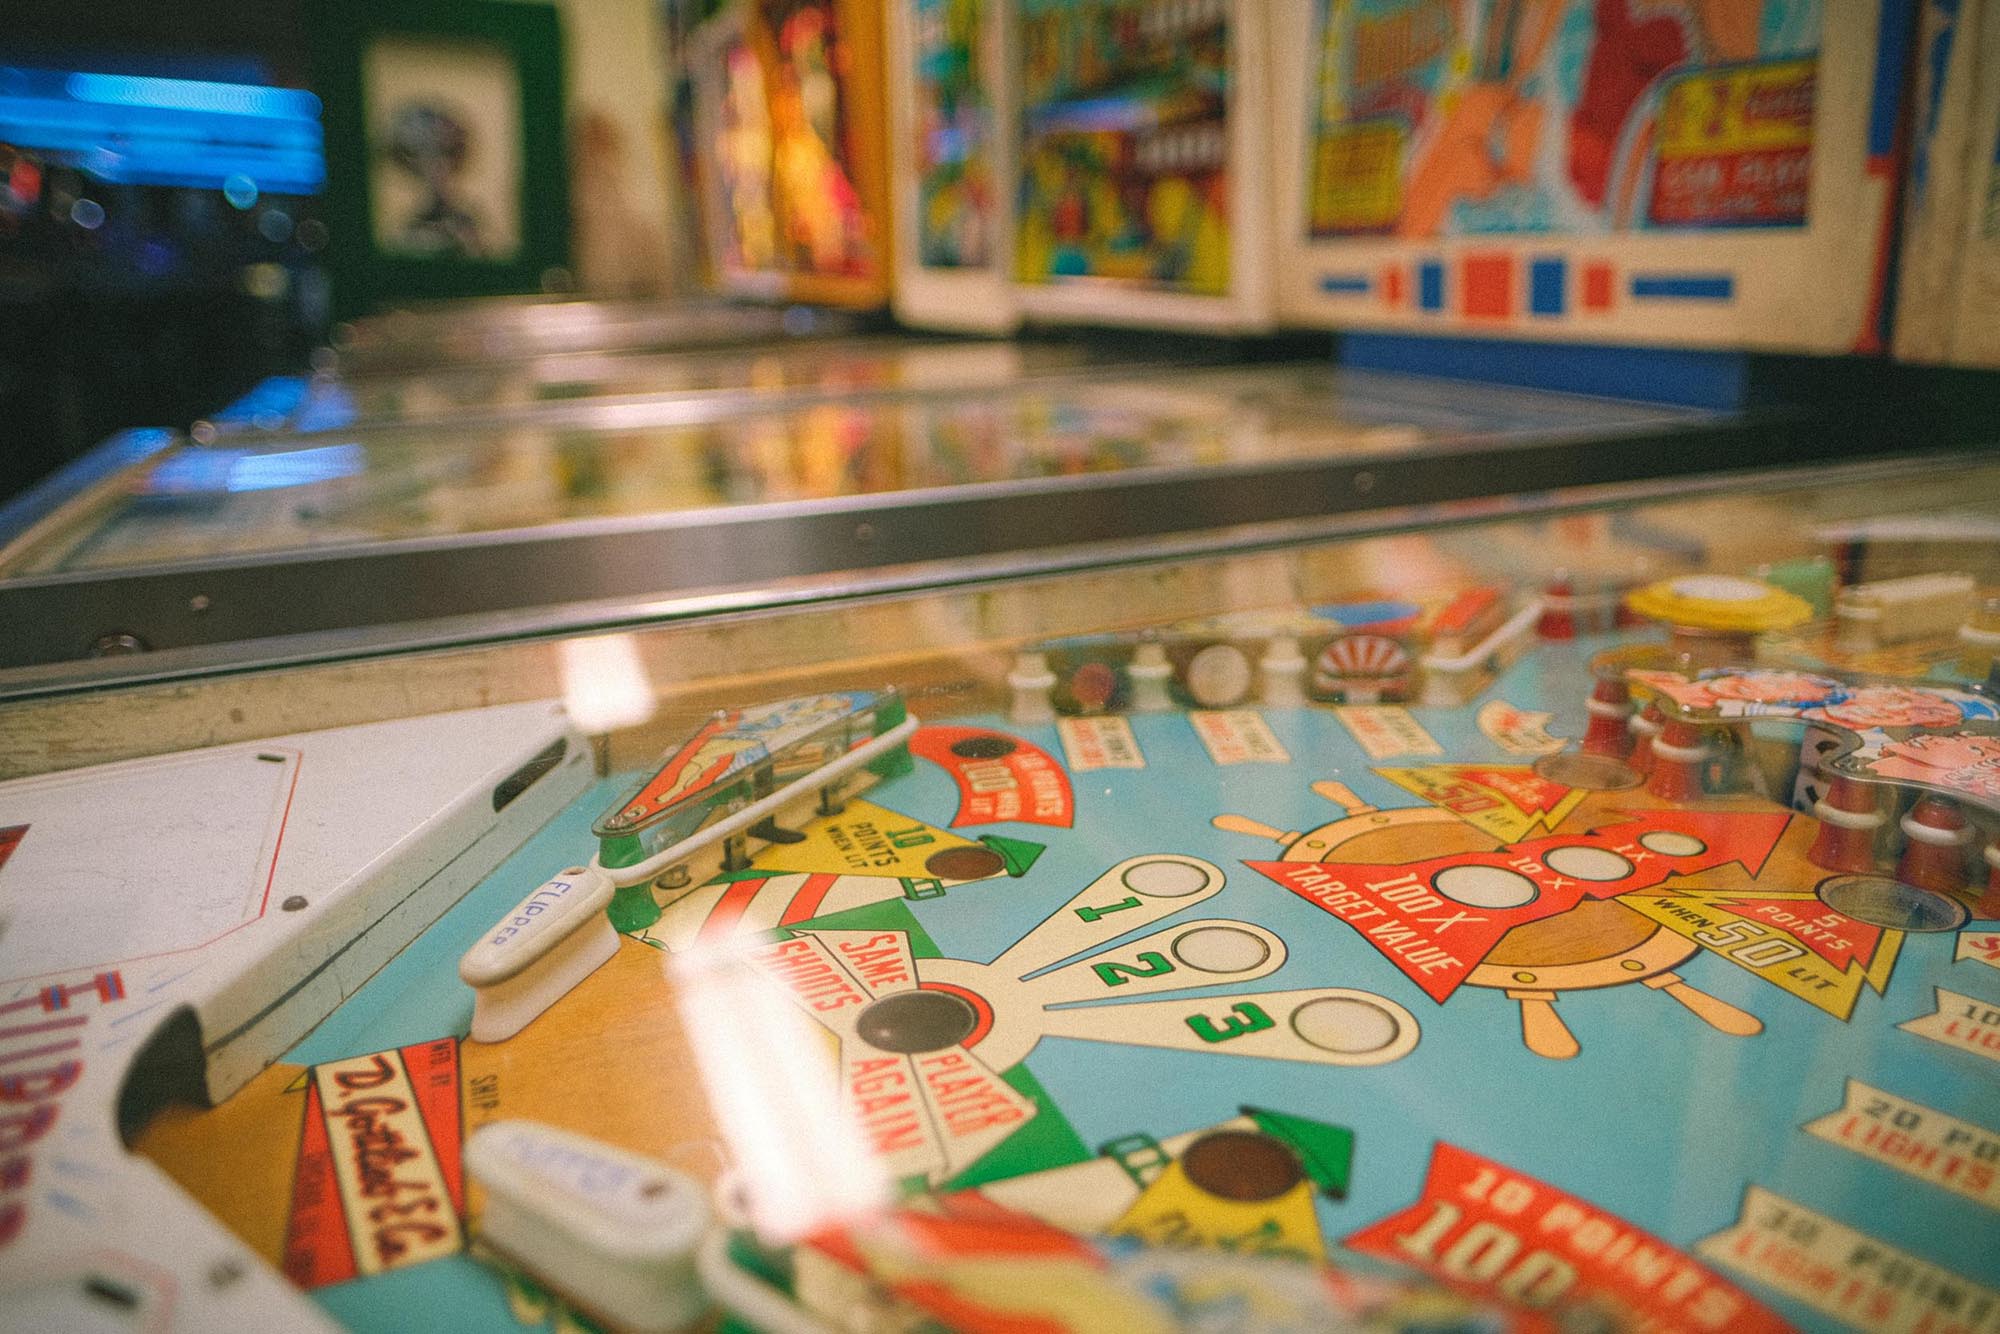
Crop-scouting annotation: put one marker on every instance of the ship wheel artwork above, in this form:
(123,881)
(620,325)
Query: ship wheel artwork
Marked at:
(1597,943)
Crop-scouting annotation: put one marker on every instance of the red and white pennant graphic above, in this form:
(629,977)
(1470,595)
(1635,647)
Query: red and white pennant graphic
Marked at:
(1437,919)
(1000,777)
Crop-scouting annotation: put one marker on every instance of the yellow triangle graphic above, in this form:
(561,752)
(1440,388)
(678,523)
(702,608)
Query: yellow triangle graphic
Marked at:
(1173,1211)
(865,839)
(1508,801)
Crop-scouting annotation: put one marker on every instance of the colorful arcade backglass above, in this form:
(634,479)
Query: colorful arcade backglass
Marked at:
(951,149)
(1710,172)
(1144,161)
(790,133)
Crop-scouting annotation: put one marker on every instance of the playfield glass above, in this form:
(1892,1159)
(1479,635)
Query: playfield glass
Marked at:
(845,366)
(493,329)
(1567,911)
(425,480)
(954,128)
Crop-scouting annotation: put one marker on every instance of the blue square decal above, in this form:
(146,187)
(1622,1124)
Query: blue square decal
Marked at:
(1430,285)
(1546,286)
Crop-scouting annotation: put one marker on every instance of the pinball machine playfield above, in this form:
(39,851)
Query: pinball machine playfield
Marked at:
(1495,954)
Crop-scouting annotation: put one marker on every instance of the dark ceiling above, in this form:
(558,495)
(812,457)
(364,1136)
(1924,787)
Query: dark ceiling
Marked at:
(227,39)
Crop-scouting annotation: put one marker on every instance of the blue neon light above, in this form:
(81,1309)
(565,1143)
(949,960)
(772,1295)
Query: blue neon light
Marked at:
(232,99)
(125,129)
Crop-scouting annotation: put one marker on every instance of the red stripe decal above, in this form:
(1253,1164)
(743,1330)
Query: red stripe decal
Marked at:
(805,904)
(317,1247)
(433,1070)
(46,1050)
(22,1030)
(284,821)
(729,910)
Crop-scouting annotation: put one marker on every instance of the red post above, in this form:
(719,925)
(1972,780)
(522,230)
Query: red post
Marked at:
(1848,821)
(1646,725)
(1934,853)
(1558,619)
(1678,756)
(1609,730)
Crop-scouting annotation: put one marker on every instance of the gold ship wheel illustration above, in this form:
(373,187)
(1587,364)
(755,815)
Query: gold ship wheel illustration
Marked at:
(1598,943)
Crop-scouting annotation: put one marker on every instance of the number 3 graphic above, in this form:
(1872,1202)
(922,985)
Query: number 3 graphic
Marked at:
(1242,1018)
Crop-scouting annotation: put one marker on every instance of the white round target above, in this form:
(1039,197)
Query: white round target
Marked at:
(1220,949)
(1165,879)
(1485,886)
(1669,844)
(1356,1027)
(1219,676)
(1586,863)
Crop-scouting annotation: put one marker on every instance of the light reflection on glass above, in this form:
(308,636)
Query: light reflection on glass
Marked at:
(801,1158)
(207,472)
(604,684)
(298,467)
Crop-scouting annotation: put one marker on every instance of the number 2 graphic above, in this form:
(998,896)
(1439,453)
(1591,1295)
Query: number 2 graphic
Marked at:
(1151,964)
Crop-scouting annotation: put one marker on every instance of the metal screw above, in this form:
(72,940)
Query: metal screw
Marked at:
(200,603)
(864,532)
(116,645)
(294,903)
(1364,482)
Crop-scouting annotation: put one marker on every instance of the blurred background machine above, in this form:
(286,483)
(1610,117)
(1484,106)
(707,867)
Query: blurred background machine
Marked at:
(686,265)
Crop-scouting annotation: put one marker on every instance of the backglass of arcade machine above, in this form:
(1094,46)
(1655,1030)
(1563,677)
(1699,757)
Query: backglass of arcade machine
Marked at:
(1080,161)
(952,142)
(1713,175)
(1143,167)
(790,140)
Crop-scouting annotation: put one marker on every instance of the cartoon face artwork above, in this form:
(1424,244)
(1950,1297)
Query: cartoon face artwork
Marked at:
(1932,737)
